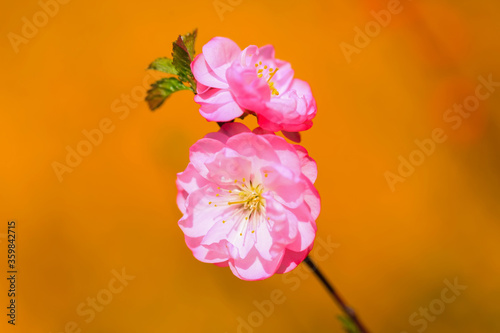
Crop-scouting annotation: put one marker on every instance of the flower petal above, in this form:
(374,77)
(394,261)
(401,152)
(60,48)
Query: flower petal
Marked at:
(251,145)
(188,181)
(200,215)
(254,267)
(231,129)
(202,152)
(205,75)
(292,259)
(218,105)
(205,254)
(219,54)
(249,91)
(308,165)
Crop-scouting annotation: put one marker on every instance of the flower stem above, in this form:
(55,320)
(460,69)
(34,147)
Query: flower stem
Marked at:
(340,302)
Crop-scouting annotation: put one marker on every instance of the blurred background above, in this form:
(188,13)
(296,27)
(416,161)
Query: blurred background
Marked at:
(400,237)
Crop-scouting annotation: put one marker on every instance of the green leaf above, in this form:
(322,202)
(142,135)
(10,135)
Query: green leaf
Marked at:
(189,40)
(348,325)
(182,63)
(182,60)
(161,90)
(164,65)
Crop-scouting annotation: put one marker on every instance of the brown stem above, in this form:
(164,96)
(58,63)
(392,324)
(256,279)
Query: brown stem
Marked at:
(340,302)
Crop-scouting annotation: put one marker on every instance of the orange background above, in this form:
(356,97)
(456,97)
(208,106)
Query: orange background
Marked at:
(117,207)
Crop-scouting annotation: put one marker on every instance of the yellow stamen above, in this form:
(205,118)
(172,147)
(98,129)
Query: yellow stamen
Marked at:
(270,73)
(236,202)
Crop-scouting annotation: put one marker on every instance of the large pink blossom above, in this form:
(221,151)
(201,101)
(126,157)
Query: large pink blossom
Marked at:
(232,82)
(248,202)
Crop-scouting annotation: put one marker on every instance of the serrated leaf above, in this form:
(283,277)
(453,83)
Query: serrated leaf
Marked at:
(182,62)
(189,39)
(164,65)
(348,325)
(161,90)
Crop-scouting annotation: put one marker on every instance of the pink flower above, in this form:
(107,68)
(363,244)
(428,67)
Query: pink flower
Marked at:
(248,202)
(232,82)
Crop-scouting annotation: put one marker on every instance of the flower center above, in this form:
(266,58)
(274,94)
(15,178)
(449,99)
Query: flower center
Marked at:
(248,206)
(250,197)
(267,74)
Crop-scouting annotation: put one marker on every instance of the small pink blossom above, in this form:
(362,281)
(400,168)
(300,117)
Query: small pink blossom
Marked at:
(248,202)
(232,82)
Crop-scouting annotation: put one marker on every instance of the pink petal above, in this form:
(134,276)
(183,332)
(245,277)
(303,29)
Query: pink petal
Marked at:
(202,152)
(292,259)
(217,136)
(283,78)
(201,88)
(231,129)
(200,215)
(267,52)
(286,152)
(292,111)
(219,53)
(247,55)
(254,267)
(249,91)
(228,230)
(264,241)
(305,237)
(205,75)
(285,184)
(260,130)
(218,105)
(251,145)
(267,124)
(312,198)
(308,165)
(285,73)
(204,254)
(228,166)
(190,179)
